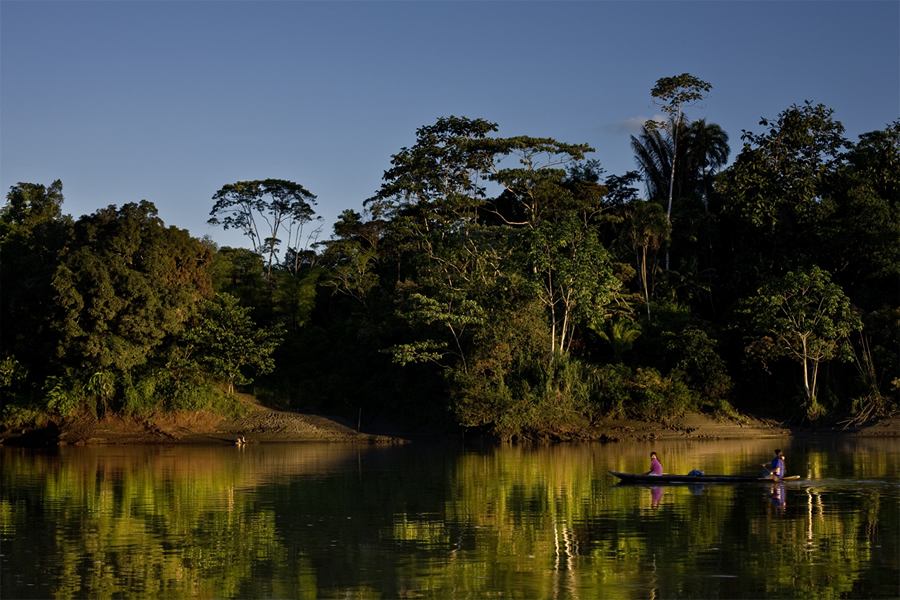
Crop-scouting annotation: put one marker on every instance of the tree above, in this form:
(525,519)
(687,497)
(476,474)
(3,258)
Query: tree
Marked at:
(31,204)
(672,94)
(437,185)
(860,236)
(33,234)
(243,205)
(621,335)
(432,199)
(453,313)
(781,176)
(647,230)
(654,155)
(806,317)
(124,286)
(572,276)
(706,151)
(536,190)
(228,343)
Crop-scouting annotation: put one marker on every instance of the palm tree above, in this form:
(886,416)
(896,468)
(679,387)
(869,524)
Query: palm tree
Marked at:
(653,150)
(682,168)
(620,337)
(706,151)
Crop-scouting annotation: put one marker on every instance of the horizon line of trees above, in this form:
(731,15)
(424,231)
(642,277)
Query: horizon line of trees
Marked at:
(560,297)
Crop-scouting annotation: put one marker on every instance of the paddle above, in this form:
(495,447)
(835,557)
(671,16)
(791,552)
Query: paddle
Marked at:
(771,473)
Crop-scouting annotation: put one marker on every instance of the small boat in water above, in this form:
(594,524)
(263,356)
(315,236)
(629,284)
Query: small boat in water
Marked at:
(668,478)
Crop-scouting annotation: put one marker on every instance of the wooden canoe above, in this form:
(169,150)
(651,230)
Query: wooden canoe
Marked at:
(669,478)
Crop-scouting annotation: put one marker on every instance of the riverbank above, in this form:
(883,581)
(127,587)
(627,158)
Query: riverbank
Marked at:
(264,425)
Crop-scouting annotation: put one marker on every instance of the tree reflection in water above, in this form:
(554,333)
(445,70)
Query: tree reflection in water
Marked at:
(308,520)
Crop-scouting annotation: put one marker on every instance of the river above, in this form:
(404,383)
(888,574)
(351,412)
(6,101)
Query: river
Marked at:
(449,521)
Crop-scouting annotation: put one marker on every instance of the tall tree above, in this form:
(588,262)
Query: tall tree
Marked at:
(535,190)
(706,151)
(572,276)
(351,256)
(284,206)
(654,155)
(33,234)
(672,94)
(647,229)
(439,182)
(783,174)
(431,200)
(806,317)
(125,285)
(781,187)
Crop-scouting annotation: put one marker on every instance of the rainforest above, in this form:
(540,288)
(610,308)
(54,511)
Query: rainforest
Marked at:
(498,286)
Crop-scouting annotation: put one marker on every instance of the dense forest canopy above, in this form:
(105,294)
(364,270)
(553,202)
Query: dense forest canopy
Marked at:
(502,284)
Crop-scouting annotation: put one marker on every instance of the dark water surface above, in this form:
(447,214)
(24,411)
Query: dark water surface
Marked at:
(447,521)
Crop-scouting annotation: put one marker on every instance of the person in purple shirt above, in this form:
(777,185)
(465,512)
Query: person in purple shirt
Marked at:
(655,466)
(776,467)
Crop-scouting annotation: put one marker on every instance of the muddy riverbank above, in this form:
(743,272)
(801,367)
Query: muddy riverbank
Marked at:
(264,425)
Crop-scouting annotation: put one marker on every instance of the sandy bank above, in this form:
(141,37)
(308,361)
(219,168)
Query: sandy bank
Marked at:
(262,425)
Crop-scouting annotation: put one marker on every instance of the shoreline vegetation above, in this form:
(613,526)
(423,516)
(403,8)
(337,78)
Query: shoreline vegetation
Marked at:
(264,425)
(496,288)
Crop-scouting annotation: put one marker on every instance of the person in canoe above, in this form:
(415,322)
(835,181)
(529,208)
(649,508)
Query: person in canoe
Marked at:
(655,465)
(775,469)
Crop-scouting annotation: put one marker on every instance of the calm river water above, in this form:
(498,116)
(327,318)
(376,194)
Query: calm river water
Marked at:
(447,521)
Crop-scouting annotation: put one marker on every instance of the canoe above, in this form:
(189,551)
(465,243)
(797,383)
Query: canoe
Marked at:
(669,478)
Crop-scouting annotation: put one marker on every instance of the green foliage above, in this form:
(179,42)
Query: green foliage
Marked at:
(33,233)
(619,391)
(782,175)
(228,343)
(12,373)
(807,318)
(436,182)
(284,206)
(294,297)
(572,276)
(241,273)
(20,416)
(672,93)
(351,257)
(658,397)
(142,397)
(65,396)
(126,285)
(701,367)
(647,229)
(620,335)
(479,266)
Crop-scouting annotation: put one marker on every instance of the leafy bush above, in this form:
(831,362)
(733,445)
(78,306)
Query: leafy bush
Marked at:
(16,416)
(659,397)
(65,396)
(703,370)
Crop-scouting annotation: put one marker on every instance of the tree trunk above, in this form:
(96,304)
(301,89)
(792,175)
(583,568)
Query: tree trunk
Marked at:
(672,177)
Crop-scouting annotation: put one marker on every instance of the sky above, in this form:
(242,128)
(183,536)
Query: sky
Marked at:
(168,101)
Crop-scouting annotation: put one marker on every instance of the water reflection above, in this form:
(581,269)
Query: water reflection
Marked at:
(779,496)
(308,520)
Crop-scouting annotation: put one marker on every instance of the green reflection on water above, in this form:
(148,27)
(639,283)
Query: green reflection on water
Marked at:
(292,521)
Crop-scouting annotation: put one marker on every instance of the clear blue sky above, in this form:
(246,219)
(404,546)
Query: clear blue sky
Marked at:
(169,101)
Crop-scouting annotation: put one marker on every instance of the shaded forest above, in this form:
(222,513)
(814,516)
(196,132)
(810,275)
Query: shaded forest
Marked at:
(501,285)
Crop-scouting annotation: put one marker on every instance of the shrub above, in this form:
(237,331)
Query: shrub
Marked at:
(65,396)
